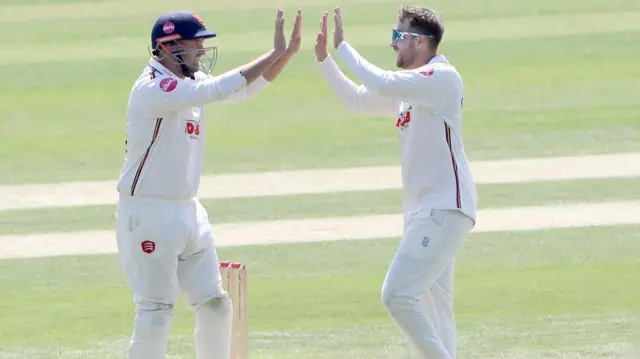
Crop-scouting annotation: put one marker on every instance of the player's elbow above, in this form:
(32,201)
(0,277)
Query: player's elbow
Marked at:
(354,100)
(354,104)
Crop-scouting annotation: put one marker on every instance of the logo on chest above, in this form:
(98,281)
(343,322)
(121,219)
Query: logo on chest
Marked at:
(192,123)
(192,129)
(404,118)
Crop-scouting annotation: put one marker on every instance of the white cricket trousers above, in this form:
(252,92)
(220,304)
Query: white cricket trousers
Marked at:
(166,246)
(418,289)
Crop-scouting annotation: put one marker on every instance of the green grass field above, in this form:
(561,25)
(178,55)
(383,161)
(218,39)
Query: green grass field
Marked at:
(540,81)
(535,295)
(543,79)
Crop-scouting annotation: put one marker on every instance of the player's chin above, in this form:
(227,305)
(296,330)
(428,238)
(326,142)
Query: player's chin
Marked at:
(189,71)
(193,66)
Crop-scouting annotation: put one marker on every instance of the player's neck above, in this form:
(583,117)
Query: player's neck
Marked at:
(422,59)
(172,66)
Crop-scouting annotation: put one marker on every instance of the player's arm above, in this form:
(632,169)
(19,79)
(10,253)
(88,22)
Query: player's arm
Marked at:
(250,90)
(355,98)
(256,68)
(246,92)
(429,87)
(294,46)
(270,73)
(276,69)
(169,93)
(166,93)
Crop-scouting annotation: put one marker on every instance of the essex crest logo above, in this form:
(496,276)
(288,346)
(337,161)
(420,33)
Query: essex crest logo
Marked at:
(148,247)
(199,19)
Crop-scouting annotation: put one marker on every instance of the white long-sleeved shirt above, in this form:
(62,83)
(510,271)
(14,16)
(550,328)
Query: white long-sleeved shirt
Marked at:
(426,105)
(166,128)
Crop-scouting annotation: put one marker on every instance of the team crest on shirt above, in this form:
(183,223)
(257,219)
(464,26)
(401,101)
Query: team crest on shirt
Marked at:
(404,118)
(148,247)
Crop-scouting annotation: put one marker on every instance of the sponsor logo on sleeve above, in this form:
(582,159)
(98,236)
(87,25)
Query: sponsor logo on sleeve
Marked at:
(427,72)
(168,84)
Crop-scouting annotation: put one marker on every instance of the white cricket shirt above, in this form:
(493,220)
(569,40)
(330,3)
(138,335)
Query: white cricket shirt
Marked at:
(165,129)
(426,107)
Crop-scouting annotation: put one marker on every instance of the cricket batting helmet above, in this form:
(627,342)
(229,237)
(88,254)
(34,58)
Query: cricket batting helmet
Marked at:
(172,27)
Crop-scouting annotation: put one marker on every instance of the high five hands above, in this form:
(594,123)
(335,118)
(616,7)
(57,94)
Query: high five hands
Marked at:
(296,35)
(280,43)
(338,34)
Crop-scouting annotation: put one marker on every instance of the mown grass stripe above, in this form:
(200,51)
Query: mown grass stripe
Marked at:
(532,282)
(335,229)
(230,210)
(328,180)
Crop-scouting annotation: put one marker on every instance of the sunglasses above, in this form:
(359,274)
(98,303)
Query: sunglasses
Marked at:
(399,35)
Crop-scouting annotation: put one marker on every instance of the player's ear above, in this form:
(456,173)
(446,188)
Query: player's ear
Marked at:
(425,41)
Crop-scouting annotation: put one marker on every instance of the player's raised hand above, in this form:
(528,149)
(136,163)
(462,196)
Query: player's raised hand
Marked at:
(338,33)
(296,34)
(279,41)
(321,40)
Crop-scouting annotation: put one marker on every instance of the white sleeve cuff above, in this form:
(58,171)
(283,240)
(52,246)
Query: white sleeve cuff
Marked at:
(343,49)
(324,63)
(229,82)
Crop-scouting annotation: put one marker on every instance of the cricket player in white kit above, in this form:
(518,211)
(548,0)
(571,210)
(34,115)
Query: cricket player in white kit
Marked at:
(439,196)
(164,238)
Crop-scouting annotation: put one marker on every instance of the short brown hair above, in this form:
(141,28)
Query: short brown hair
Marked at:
(424,21)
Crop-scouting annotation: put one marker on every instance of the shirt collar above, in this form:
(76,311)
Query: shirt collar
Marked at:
(439,59)
(155,64)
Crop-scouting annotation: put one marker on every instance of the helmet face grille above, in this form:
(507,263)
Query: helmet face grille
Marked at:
(209,59)
(206,62)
